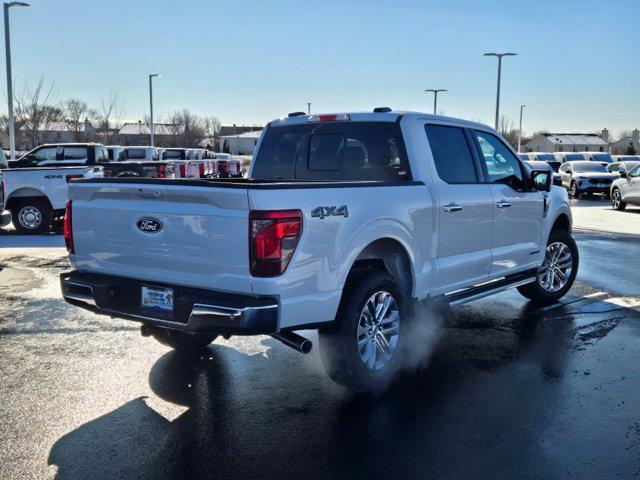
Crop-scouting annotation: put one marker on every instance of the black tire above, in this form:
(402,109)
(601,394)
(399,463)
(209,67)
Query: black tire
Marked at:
(534,290)
(338,344)
(616,200)
(573,190)
(183,341)
(37,207)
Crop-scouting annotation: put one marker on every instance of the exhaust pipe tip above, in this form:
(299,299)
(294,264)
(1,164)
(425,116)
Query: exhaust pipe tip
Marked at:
(295,341)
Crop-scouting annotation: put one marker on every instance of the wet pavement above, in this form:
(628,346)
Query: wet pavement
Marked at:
(508,391)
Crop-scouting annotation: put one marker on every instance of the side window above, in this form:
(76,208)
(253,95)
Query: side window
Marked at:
(451,154)
(102,155)
(501,164)
(46,155)
(77,154)
(635,172)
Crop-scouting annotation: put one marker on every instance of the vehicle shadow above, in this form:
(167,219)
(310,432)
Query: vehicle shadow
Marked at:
(274,414)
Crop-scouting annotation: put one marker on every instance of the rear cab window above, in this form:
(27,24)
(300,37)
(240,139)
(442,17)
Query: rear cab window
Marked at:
(451,154)
(75,155)
(338,151)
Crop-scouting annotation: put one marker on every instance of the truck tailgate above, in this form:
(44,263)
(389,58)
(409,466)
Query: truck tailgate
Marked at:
(177,234)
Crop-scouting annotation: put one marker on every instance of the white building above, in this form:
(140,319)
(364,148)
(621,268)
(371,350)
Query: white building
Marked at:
(567,142)
(620,147)
(240,144)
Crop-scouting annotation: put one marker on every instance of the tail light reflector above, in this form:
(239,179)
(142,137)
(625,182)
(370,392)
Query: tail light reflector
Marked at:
(67,229)
(201,169)
(224,167)
(71,177)
(183,171)
(273,238)
(162,171)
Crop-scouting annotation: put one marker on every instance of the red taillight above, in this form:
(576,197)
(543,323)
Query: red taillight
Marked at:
(273,238)
(201,169)
(183,171)
(67,228)
(162,171)
(224,167)
(71,177)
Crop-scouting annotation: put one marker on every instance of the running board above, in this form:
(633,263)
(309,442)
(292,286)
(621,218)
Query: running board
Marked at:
(485,289)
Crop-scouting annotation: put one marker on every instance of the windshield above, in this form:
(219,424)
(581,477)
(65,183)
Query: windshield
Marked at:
(584,167)
(573,156)
(602,157)
(348,151)
(630,165)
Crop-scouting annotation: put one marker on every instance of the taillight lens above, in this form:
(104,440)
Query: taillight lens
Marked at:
(201,169)
(273,238)
(183,171)
(224,167)
(67,228)
(162,171)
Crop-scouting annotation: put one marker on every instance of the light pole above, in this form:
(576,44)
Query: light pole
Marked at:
(520,128)
(435,96)
(7,46)
(499,55)
(151,103)
(308,108)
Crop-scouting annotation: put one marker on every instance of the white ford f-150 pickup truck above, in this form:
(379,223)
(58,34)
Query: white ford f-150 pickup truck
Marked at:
(35,197)
(345,222)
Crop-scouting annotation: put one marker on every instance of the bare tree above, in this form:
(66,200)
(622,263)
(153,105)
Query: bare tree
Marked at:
(109,118)
(509,131)
(35,113)
(77,117)
(186,128)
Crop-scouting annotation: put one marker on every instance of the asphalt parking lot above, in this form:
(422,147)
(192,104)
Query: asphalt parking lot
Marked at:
(508,391)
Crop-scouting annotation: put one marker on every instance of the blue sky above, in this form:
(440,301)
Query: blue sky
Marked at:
(247,62)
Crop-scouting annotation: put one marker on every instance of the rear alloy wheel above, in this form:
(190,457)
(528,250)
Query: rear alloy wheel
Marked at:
(362,349)
(616,200)
(32,217)
(558,271)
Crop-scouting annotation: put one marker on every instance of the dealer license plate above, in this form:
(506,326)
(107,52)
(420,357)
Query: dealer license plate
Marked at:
(157,298)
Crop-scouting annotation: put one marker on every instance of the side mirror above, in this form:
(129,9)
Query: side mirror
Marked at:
(623,173)
(542,180)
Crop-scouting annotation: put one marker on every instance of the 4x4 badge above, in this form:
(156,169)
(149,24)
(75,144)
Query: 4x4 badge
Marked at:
(322,212)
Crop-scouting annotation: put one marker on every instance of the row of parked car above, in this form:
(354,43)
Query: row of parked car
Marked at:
(586,173)
(34,188)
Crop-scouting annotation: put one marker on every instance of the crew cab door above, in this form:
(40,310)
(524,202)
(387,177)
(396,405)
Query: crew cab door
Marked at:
(518,209)
(465,208)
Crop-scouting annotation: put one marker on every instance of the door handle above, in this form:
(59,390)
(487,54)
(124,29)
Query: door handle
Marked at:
(452,207)
(503,204)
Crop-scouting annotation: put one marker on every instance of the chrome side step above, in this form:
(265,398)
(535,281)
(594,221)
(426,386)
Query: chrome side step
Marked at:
(486,289)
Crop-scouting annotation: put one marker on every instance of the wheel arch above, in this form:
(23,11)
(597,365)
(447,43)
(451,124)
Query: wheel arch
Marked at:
(20,194)
(562,222)
(388,254)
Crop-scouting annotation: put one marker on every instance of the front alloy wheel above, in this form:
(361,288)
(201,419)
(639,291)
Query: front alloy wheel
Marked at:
(558,271)
(557,267)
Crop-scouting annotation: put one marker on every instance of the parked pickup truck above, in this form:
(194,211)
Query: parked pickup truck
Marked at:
(136,162)
(36,197)
(346,222)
